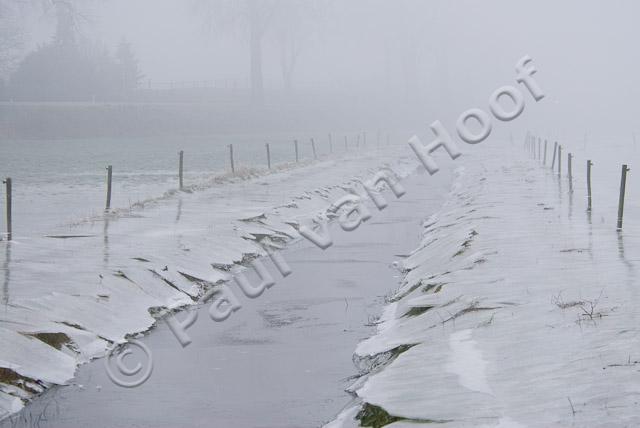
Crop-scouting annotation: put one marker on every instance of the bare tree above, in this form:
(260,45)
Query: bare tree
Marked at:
(69,17)
(12,36)
(253,18)
(294,25)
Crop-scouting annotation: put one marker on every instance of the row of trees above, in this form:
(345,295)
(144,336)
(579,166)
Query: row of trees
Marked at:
(291,23)
(11,36)
(69,67)
(74,72)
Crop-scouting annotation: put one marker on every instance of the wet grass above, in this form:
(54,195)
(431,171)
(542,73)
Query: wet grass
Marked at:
(9,377)
(374,363)
(466,244)
(416,311)
(432,287)
(404,294)
(376,417)
(56,340)
(395,352)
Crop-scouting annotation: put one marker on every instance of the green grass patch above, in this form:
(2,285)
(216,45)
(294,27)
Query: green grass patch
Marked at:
(375,416)
(418,310)
(466,244)
(9,377)
(433,287)
(56,340)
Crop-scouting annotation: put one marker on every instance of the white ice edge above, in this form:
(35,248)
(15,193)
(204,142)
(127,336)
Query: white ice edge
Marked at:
(503,340)
(105,293)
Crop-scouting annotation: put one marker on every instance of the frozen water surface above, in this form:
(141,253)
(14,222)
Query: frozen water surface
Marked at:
(519,308)
(516,309)
(99,289)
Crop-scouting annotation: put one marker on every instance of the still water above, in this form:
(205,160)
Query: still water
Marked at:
(57,183)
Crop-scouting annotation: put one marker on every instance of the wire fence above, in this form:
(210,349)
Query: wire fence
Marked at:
(565,165)
(275,154)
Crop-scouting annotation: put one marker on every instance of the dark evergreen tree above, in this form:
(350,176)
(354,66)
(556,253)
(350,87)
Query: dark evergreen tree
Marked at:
(128,67)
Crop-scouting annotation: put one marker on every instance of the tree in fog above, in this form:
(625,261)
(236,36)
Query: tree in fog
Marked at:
(295,23)
(70,67)
(128,67)
(252,18)
(292,23)
(66,26)
(12,37)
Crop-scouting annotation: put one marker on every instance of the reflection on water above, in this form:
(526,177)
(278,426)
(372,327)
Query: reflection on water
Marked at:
(7,273)
(179,213)
(559,190)
(570,200)
(590,226)
(105,242)
(621,254)
(71,188)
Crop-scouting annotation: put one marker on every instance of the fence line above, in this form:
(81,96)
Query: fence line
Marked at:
(181,170)
(530,146)
(623,186)
(109,181)
(8,182)
(9,206)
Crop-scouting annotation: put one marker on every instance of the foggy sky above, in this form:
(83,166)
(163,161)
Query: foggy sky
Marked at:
(449,55)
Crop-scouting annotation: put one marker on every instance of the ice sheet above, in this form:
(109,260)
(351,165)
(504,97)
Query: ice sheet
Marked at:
(518,309)
(100,288)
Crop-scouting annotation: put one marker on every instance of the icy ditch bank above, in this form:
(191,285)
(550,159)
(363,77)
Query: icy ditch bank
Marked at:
(66,301)
(516,310)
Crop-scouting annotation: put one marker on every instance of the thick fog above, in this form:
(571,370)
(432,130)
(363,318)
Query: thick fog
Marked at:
(408,61)
(167,163)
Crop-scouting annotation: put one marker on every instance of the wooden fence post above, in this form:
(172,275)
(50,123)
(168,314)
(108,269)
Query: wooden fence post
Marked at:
(623,185)
(313,148)
(268,156)
(233,166)
(559,160)
(180,169)
(569,172)
(555,149)
(589,164)
(109,179)
(544,162)
(9,207)
(295,146)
